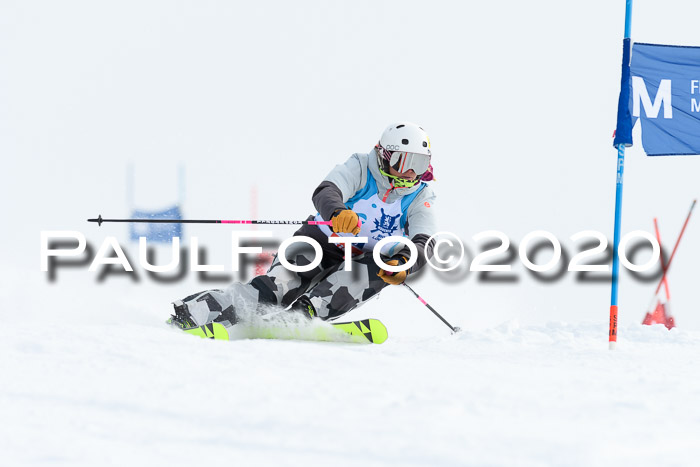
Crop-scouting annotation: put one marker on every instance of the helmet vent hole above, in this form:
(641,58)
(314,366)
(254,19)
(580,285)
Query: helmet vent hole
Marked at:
(425,144)
(404,141)
(400,126)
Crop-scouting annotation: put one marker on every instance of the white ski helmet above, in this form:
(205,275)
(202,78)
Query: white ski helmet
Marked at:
(405,146)
(405,137)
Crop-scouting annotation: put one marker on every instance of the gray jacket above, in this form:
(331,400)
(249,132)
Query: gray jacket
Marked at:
(345,180)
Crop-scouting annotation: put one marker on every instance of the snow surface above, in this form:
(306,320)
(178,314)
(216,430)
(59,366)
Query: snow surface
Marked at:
(510,395)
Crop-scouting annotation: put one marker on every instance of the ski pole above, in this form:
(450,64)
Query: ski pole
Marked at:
(100,220)
(453,329)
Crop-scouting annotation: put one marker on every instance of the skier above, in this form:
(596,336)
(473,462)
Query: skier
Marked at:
(387,190)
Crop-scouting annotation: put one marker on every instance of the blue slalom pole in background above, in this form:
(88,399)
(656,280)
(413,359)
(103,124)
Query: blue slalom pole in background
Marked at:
(623,138)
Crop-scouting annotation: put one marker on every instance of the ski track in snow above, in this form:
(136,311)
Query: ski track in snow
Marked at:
(145,394)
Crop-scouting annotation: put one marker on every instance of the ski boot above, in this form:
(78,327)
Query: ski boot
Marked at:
(204,308)
(182,317)
(304,306)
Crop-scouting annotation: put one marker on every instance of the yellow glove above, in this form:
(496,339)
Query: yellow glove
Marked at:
(347,222)
(394,278)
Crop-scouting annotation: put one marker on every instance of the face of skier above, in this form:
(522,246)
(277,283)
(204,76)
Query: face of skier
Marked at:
(408,175)
(407,165)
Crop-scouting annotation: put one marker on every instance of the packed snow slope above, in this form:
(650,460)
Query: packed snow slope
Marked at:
(146,394)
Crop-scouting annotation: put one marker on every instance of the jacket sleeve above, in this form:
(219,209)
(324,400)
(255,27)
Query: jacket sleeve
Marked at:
(339,186)
(327,199)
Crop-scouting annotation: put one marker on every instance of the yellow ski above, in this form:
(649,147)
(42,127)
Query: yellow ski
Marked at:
(366,331)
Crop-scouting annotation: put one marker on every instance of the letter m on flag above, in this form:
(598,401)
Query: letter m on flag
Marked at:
(640,94)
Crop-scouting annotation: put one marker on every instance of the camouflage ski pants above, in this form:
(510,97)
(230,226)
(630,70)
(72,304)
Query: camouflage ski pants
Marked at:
(332,290)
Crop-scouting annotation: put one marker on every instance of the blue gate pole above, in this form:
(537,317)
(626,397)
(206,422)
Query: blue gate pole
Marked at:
(612,335)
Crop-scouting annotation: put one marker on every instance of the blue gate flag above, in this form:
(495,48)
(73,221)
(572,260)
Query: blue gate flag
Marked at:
(156,232)
(664,87)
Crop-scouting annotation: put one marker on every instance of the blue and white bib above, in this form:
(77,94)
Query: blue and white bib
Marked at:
(379,219)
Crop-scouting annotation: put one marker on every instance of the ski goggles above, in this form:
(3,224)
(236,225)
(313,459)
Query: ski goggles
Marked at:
(405,161)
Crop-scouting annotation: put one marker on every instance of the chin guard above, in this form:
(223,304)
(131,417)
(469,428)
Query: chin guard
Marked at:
(400,182)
